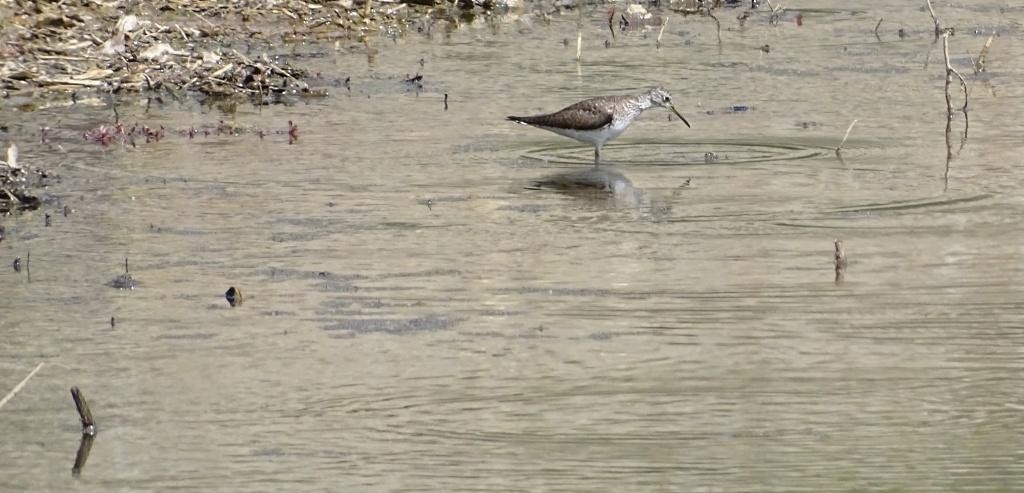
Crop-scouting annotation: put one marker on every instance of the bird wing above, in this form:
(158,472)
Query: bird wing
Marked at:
(584,115)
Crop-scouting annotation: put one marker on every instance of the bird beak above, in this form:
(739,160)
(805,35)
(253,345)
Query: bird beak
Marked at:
(673,108)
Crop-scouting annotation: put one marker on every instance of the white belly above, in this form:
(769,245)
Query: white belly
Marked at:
(593,137)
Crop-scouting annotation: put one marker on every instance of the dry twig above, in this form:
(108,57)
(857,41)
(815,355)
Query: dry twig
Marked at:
(17,388)
(839,257)
(979,64)
(579,32)
(848,130)
(776,12)
(718,26)
(950,71)
(935,19)
(661,33)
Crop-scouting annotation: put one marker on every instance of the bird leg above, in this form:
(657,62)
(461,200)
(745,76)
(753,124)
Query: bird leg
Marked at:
(597,156)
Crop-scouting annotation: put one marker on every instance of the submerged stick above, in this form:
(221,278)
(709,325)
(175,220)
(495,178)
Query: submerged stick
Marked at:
(611,15)
(88,424)
(938,26)
(20,385)
(83,454)
(579,45)
(950,72)
(776,12)
(657,43)
(848,130)
(718,27)
(840,260)
(579,32)
(979,64)
(840,254)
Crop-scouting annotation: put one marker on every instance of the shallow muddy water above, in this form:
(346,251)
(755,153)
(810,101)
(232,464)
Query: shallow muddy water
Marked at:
(427,308)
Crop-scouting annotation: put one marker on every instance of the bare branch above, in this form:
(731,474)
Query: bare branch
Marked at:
(979,64)
(938,25)
(20,385)
(847,136)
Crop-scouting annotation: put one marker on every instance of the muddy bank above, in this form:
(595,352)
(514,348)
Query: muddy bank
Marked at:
(193,48)
(170,50)
(206,48)
(71,51)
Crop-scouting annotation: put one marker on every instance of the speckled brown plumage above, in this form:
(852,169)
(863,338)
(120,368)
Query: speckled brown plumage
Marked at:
(591,114)
(598,120)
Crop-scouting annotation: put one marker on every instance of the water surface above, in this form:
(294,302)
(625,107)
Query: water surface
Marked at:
(425,312)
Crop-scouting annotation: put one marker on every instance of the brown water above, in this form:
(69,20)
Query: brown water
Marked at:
(666,337)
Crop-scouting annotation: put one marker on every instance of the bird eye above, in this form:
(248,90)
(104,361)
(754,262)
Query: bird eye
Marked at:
(668,99)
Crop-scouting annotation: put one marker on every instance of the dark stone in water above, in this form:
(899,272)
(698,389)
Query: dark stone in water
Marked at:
(123,281)
(17,264)
(234,296)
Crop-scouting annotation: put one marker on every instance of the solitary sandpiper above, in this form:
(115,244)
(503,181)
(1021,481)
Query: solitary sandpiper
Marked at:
(598,120)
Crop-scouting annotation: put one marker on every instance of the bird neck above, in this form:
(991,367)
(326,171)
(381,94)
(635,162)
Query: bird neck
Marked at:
(642,101)
(635,106)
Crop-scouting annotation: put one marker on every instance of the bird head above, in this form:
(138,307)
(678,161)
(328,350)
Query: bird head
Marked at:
(660,97)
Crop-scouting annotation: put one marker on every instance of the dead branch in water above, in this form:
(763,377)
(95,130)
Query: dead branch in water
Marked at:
(945,33)
(776,12)
(718,26)
(88,431)
(847,136)
(611,16)
(950,72)
(84,413)
(839,257)
(579,33)
(17,388)
(979,64)
(84,447)
(935,19)
(938,33)
(664,24)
